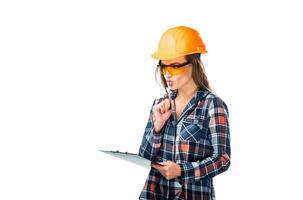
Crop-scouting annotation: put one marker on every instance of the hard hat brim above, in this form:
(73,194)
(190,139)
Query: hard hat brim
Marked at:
(158,56)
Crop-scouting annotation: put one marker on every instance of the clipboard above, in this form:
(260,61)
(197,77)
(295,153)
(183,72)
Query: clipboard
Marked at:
(131,157)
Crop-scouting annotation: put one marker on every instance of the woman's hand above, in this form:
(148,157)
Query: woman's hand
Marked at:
(162,112)
(168,169)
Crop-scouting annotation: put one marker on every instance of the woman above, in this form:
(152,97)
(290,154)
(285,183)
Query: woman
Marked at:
(187,135)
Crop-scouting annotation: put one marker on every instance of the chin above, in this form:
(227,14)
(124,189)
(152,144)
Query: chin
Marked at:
(172,88)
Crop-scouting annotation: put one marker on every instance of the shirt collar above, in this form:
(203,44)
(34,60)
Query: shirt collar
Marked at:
(200,94)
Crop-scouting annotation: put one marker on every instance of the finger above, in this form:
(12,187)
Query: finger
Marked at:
(160,163)
(172,102)
(167,104)
(162,110)
(157,108)
(164,106)
(167,114)
(164,163)
(156,166)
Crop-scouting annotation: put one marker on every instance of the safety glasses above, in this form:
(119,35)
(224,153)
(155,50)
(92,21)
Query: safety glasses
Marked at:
(174,69)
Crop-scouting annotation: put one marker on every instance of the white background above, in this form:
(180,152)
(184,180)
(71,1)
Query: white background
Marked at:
(77,76)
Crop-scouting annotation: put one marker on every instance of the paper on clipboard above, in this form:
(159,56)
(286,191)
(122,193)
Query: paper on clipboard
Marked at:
(130,157)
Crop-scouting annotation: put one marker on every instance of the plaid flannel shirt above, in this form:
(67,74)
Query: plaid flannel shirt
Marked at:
(199,142)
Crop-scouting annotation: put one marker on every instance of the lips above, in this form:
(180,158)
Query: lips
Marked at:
(169,82)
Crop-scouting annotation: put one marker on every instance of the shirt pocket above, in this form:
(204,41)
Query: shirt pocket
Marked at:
(194,129)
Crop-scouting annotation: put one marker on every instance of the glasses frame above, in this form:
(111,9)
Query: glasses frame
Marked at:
(174,66)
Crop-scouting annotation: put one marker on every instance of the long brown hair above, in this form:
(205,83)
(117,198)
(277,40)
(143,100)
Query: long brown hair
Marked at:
(198,73)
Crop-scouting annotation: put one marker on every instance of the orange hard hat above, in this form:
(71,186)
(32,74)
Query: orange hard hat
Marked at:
(179,41)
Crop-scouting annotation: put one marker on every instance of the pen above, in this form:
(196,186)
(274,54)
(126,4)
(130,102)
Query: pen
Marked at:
(171,97)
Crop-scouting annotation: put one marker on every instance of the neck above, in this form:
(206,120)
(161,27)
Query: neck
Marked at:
(188,91)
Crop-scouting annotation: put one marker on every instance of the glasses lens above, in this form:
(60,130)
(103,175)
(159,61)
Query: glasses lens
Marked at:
(164,70)
(174,70)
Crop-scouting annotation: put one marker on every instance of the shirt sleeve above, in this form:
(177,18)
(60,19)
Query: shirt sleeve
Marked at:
(151,141)
(219,162)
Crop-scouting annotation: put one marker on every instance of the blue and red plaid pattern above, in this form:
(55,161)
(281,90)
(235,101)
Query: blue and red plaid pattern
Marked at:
(199,142)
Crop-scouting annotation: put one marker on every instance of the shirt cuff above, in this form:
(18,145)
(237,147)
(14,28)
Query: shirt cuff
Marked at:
(187,173)
(157,137)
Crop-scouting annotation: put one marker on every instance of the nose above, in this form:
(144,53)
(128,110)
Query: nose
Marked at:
(167,75)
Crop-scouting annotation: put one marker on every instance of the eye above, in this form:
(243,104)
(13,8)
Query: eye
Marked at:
(176,66)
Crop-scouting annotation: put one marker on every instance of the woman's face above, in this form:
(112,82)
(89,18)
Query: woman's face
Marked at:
(179,80)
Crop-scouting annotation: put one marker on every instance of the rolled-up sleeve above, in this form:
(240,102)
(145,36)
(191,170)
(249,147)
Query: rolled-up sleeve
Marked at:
(151,141)
(219,161)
